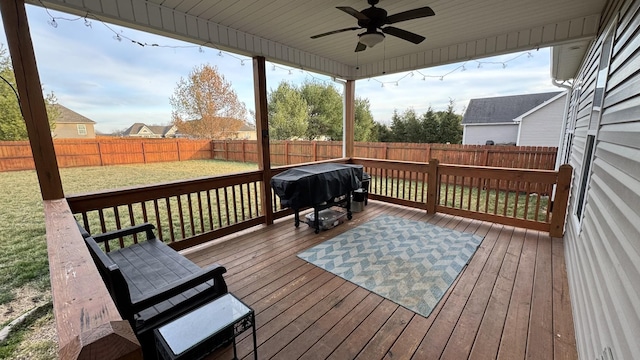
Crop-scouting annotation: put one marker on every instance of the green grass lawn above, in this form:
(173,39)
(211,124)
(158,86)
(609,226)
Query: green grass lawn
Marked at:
(23,250)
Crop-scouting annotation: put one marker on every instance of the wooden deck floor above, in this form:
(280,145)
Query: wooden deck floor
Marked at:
(510,302)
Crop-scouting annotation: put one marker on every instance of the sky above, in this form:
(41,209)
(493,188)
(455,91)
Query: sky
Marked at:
(94,69)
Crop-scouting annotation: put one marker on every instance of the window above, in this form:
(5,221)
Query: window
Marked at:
(82,129)
(594,124)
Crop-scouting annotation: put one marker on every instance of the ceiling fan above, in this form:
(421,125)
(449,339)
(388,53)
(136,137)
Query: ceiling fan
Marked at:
(373,19)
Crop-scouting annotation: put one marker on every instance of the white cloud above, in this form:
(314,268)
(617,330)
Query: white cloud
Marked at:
(117,83)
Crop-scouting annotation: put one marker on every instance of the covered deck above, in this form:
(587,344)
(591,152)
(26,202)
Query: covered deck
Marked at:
(510,302)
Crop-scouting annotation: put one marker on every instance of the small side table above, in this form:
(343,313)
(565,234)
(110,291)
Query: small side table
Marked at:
(199,332)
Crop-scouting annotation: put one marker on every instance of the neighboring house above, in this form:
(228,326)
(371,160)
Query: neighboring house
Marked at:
(542,125)
(493,120)
(150,131)
(71,125)
(245,132)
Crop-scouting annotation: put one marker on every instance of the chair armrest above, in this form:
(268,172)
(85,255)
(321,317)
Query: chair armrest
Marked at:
(146,227)
(214,272)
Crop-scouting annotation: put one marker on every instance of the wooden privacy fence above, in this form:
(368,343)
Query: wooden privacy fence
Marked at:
(16,155)
(297,152)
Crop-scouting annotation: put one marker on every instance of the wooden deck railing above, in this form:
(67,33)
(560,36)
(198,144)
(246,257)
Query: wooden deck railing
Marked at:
(187,213)
(517,197)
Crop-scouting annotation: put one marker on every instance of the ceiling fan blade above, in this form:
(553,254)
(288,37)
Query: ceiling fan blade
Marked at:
(334,32)
(410,14)
(361,47)
(403,34)
(353,12)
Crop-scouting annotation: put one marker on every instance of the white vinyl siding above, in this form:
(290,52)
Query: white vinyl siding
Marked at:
(543,127)
(498,133)
(603,250)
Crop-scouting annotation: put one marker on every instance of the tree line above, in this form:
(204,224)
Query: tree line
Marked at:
(431,127)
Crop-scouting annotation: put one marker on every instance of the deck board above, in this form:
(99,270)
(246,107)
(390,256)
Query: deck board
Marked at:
(510,302)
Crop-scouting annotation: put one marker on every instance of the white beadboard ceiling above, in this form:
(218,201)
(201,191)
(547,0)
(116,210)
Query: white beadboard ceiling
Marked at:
(280,30)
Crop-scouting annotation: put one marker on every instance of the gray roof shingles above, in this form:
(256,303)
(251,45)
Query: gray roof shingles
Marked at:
(68,116)
(503,109)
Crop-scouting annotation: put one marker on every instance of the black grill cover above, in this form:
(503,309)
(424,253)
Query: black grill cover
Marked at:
(314,184)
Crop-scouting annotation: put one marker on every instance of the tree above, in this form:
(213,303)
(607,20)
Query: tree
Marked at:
(364,126)
(287,113)
(325,110)
(398,127)
(450,125)
(430,127)
(12,125)
(206,106)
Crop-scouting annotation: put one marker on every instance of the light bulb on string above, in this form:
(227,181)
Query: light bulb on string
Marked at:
(53,23)
(87,23)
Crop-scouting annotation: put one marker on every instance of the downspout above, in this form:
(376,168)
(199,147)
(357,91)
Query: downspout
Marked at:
(563,131)
(565,120)
(344,114)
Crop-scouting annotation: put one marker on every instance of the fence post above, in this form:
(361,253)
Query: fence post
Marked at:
(485,157)
(226,150)
(428,151)
(433,181)
(386,152)
(144,155)
(286,152)
(560,201)
(178,148)
(100,153)
(244,150)
(315,150)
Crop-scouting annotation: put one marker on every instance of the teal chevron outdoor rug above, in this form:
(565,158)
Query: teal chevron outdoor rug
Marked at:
(411,263)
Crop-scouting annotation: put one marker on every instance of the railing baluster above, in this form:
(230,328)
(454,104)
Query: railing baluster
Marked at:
(181,216)
(145,217)
(242,202)
(226,205)
(85,222)
(170,218)
(517,196)
(446,191)
(527,199)
(257,202)
(506,198)
(132,222)
(235,204)
(191,219)
(218,206)
(210,211)
(200,212)
(156,210)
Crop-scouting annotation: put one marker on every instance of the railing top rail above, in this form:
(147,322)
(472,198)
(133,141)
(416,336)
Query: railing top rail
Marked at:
(110,198)
(87,320)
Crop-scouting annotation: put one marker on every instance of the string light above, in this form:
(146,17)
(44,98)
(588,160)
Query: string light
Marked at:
(119,36)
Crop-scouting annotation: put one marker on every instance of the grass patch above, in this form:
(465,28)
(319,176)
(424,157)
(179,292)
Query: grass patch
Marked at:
(42,348)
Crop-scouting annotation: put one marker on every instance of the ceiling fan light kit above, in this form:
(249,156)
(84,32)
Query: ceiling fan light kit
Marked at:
(371,39)
(373,19)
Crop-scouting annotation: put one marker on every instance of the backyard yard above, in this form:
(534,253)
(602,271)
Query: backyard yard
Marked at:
(24,277)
